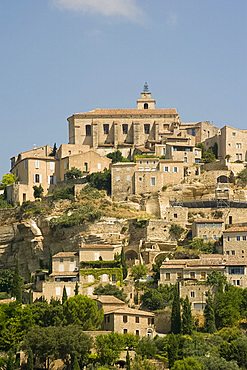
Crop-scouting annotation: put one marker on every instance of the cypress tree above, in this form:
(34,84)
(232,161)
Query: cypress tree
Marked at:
(176,314)
(187,319)
(127,361)
(64,297)
(30,360)
(17,284)
(76,289)
(172,349)
(76,364)
(209,323)
(123,263)
(10,365)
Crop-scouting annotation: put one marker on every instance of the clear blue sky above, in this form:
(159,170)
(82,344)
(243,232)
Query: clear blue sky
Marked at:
(59,57)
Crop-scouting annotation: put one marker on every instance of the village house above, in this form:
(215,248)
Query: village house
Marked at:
(209,230)
(235,242)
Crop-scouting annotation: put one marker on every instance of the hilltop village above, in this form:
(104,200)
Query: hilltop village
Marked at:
(137,200)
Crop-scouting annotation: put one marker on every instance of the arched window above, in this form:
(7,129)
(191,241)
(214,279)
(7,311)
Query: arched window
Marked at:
(145,105)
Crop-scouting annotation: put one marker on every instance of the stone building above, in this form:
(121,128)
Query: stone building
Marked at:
(209,230)
(235,242)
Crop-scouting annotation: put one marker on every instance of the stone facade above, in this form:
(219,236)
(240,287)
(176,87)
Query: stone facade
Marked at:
(209,230)
(235,242)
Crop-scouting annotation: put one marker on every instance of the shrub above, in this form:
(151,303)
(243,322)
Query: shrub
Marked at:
(64,193)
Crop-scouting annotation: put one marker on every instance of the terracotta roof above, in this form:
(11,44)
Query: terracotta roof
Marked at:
(104,299)
(130,311)
(133,112)
(65,254)
(234,229)
(65,273)
(98,246)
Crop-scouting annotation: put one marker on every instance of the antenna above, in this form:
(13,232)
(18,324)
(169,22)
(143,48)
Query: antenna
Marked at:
(145,88)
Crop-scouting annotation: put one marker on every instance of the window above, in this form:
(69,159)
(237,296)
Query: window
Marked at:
(125,331)
(25,164)
(196,152)
(137,319)
(166,169)
(163,151)
(227,252)
(140,169)
(238,145)
(52,165)
(146,129)
(68,289)
(238,238)
(88,130)
(140,162)
(244,237)
(236,270)
(175,215)
(125,129)
(153,168)
(174,169)
(168,276)
(215,237)
(228,238)
(152,181)
(99,166)
(125,318)
(128,178)
(192,275)
(58,290)
(37,178)
(128,169)
(150,321)
(140,178)
(24,197)
(242,251)
(61,260)
(203,275)
(90,278)
(71,267)
(138,332)
(233,253)
(37,163)
(154,162)
(61,268)
(179,275)
(118,178)
(205,236)
(106,129)
(113,278)
(117,169)
(147,162)
(147,168)
(51,180)
(145,105)
(185,159)
(85,167)
(197,160)
(65,165)
(104,278)
(233,134)
(192,294)
(72,259)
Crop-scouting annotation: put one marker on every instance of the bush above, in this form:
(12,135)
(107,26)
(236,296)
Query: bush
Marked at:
(63,193)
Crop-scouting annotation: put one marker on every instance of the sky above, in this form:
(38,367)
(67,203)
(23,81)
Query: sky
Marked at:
(60,57)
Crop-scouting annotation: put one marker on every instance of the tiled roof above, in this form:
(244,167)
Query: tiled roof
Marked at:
(98,246)
(65,273)
(65,254)
(237,228)
(130,311)
(133,112)
(104,299)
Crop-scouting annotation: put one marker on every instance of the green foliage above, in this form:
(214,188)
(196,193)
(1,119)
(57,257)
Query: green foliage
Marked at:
(172,349)
(201,146)
(139,271)
(6,281)
(227,307)
(38,191)
(176,231)
(209,156)
(139,223)
(100,271)
(91,193)
(100,180)
(17,284)
(109,347)
(76,364)
(201,245)
(64,193)
(128,361)
(7,179)
(164,188)
(86,212)
(157,299)
(156,268)
(83,311)
(217,214)
(209,323)
(117,157)
(229,334)
(10,364)
(54,150)
(187,319)
(146,348)
(123,263)
(29,359)
(188,363)
(215,278)
(3,202)
(47,314)
(99,264)
(130,341)
(176,312)
(142,364)
(76,288)
(212,363)
(73,173)
(65,296)
(110,289)
(242,177)
(214,149)
(145,156)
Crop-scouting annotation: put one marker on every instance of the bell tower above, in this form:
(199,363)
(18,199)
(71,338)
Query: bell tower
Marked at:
(146,101)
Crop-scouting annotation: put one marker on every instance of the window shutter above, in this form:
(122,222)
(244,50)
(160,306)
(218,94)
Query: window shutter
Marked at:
(40,179)
(34,178)
(55,180)
(49,180)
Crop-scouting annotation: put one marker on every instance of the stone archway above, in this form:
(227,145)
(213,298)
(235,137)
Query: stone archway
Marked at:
(160,255)
(130,257)
(223,179)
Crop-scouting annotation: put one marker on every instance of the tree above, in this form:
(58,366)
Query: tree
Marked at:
(227,306)
(209,156)
(109,347)
(172,349)
(47,314)
(127,360)
(6,281)
(109,289)
(17,284)
(100,180)
(176,314)
(83,311)
(29,359)
(214,149)
(76,288)
(7,179)
(209,323)
(139,271)
(187,319)
(73,173)
(10,365)
(75,364)
(54,150)
(157,299)
(146,348)
(38,191)
(142,364)
(242,177)
(123,263)
(217,279)
(199,243)
(65,296)
(176,231)
(117,157)
(188,363)
(213,362)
